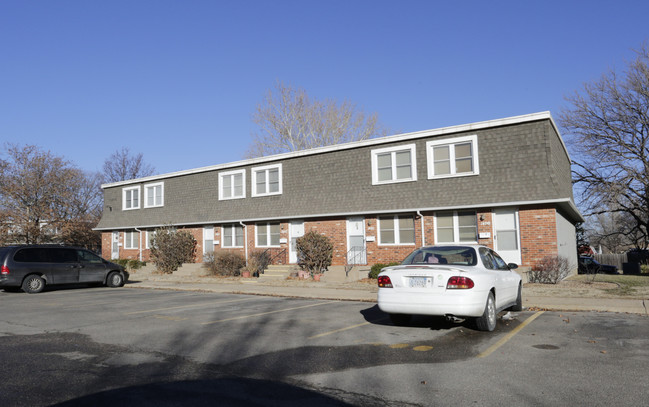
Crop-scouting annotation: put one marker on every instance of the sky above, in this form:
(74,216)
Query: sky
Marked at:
(178,81)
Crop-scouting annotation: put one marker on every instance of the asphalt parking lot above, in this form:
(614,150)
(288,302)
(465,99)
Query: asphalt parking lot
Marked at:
(121,344)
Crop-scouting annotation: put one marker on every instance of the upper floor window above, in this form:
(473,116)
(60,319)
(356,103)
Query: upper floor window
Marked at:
(394,164)
(267,234)
(453,157)
(456,227)
(131,198)
(232,236)
(232,184)
(267,180)
(396,230)
(154,195)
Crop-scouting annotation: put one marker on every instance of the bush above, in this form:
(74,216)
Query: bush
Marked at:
(376,269)
(224,263)
(258,262)
(315,252)
(135,264)
(550,270)
(171,248)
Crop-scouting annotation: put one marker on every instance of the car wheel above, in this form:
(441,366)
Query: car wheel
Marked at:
(33,284)
(400,319)
(487,322)
(519,300)
(115,279)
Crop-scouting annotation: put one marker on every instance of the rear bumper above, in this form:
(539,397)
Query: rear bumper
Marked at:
(460,303)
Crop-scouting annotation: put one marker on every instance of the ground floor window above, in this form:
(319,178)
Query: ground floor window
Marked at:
(232,236)
(131,240)
(398,229)
(267,234)
(456,227)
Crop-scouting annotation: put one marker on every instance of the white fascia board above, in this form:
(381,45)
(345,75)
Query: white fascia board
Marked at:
(354,144)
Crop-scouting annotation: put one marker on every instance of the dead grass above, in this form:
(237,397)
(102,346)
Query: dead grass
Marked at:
(595,286)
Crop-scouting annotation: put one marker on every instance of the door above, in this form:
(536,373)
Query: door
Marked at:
(65,265)
(356,250)
(506,235)
(92,267)
(296,230)
(114,252)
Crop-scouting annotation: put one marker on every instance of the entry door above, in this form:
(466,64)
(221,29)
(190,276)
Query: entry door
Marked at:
(114,252)
(296,230)
(356,250)
(506,235)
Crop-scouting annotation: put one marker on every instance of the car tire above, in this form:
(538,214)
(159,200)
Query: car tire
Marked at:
(400,319)
(33,284)
(115,279)
(487,322)
(519,300)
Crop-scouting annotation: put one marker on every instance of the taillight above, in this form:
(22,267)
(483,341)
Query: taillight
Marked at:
(4,270)
(457,282)
(385,282)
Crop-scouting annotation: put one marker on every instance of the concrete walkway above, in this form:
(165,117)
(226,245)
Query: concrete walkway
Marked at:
(363,292)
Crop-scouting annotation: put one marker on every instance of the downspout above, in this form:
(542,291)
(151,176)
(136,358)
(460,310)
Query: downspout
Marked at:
(245,239)
(139,245)
(423,234)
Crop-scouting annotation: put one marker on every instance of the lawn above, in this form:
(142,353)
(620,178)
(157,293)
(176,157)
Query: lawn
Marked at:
(627,285)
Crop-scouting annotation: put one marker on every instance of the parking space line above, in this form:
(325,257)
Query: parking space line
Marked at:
(345,329)
(189,306)
(510,335)
(268,313)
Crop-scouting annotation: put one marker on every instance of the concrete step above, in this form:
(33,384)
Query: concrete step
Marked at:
(337,274)
(278,272)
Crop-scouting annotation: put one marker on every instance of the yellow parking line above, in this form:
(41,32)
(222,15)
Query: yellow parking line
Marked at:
(338,330)
(188,306)
(267,313)
(507,337)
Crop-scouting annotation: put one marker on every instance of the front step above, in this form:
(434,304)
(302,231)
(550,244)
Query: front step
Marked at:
(278,272)
(337,274)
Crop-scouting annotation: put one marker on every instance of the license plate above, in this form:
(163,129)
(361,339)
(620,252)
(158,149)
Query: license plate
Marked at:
(419,282)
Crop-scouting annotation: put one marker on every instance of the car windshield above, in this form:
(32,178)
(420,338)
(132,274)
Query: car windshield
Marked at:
(449,255)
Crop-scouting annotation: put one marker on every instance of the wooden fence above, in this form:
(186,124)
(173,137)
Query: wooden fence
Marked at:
(612,259)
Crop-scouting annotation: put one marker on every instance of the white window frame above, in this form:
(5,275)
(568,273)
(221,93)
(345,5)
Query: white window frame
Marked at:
(397,232)
(147,188)
(139,200)
(128,243)
(452,142)
(456,228)
(233,227)
(393,150)
(222,175)
(265,168)
(148,236)
(268,235)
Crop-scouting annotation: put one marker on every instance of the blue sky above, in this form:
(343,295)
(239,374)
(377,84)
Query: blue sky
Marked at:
(179,80)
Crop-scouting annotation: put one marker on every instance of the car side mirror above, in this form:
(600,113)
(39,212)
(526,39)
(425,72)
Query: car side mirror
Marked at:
(512,266)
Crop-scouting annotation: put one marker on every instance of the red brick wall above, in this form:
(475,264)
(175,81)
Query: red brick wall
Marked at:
(538,230)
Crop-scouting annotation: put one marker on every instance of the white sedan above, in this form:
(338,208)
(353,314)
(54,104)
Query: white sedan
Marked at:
(458,282)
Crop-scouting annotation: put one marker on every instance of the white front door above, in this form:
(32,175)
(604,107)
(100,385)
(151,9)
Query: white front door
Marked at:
(114,251)
(295,230)
(356,251)
(506,235)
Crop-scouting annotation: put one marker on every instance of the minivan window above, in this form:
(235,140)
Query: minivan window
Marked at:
(32,255)
(88,257)
(64,256)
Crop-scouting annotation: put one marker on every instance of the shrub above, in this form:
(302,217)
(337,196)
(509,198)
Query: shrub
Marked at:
(315,252)
(550,270)
(224,263)
(171,248)
(644,269)
(376,269)
(135,264)
(258,261)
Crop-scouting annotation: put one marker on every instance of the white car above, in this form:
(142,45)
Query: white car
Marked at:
(458,282)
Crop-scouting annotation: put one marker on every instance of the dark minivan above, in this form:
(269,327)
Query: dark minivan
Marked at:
(32,267)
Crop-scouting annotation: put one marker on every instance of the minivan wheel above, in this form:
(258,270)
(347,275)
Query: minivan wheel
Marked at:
(115,279)
(33,284)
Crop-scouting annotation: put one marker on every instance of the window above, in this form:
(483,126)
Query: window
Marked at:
(453,157)
(153,195)
(131,240)
(232,236)
(394,164)
(396,230)
(150,234)
(267,180)
(456,227)
(267,234)
(131,198)
(232,184)
(88,257)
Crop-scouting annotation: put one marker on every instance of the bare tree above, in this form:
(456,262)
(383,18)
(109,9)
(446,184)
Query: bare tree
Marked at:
(121,165)
(609,128)
(41,195)
(289,120)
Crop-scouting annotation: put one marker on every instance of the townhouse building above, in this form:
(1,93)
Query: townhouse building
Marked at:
(503,183)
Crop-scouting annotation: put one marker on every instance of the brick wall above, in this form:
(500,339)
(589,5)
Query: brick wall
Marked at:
(538,231)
